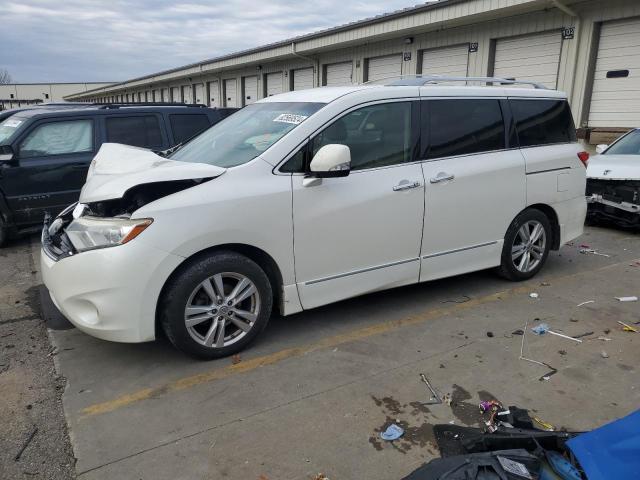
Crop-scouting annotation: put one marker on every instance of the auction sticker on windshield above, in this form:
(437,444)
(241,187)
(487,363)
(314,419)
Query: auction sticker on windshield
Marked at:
(290,118)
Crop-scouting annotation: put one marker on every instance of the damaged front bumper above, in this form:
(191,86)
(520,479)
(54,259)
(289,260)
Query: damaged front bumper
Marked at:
(109,293)
(614,200)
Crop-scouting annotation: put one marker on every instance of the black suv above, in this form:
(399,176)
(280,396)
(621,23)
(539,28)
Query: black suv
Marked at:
(45,153)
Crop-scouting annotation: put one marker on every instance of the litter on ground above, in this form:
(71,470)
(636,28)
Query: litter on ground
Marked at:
(393,432)
(627,299)
(586,303)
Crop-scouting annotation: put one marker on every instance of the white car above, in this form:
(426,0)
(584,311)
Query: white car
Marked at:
(311,197)
(613,181)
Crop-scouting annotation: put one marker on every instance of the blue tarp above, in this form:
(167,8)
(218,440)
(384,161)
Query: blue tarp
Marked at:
(611,452)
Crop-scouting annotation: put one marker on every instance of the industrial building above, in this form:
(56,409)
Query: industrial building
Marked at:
(13,95)
(587,48)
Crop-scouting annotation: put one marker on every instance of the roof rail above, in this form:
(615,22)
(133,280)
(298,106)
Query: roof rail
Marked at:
(420,80)
(145,104)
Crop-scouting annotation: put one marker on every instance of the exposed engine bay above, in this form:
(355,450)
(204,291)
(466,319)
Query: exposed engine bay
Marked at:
(617,201)
(54,237)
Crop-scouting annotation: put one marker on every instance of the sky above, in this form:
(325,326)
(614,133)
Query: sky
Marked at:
(115,40)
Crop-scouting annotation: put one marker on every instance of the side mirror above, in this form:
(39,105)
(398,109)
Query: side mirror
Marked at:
(601,148)
(6,153)
(332,160)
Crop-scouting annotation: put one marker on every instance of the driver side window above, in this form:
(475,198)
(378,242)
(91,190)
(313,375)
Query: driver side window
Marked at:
(58,138)
(377,135)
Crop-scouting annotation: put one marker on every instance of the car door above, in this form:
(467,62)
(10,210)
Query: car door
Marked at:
(362,232)
(475,184)
(50,167)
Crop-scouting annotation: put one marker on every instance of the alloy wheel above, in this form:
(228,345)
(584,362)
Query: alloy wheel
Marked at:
(529,246)
(222,309)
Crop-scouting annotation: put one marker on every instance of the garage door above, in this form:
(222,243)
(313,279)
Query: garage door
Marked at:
(250,94)
(214,94)
(199,96)
(230,97)
(302,78)
(615,101)
(274,84)
(175,94)
(338,74)
(384,67)
(530,57)
(447,61)
(186,94)
(164,95)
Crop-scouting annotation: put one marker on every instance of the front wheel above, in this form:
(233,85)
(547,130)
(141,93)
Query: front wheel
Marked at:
(4,233)
(216,305)
(526,246)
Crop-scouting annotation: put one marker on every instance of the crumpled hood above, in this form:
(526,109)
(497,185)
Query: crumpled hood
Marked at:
(116,168)
(614,167)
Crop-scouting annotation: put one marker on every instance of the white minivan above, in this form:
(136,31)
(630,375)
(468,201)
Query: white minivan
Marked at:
(311,197)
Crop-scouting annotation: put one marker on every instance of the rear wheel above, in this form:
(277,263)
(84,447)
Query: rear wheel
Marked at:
(216,305)
(526,245)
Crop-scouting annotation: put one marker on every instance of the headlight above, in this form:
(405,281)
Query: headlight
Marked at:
(88,233)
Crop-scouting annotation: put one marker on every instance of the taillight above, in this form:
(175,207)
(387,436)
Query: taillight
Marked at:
(584,158)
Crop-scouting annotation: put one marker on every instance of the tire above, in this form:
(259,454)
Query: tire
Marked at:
(514,264)
(198,330)
(4,233)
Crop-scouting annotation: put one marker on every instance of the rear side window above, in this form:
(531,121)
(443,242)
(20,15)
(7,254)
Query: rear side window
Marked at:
(58,138)
(543,122)
(139,131)
(462,127)
(185,126)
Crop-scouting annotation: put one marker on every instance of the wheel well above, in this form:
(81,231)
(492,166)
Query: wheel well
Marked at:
(551,214)
(262,258)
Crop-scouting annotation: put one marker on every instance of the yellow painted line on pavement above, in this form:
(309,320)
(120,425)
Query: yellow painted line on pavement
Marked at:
(329,342)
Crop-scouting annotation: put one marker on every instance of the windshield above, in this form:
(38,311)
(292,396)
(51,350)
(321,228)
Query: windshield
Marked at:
(243,136)
(627,145)
(8,127)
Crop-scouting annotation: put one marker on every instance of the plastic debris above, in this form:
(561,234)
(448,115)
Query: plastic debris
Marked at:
(517,332)
(534,295)
(586,303)
(628,328)
(545,425)
(544,328)
(393,432)
(604,354)
(546,376)
(604,339)
(627,299)
(591,251)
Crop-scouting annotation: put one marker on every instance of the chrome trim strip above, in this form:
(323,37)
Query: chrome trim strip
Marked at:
(364,270)
(550,170)
(459,250)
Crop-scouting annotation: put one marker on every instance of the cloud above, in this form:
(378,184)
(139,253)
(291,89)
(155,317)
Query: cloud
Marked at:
(110,40)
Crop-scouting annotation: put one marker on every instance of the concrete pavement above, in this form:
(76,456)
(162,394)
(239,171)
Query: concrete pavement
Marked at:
(313,393)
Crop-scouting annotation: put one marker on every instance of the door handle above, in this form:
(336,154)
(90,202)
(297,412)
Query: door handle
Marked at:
(442,177)
(405,185)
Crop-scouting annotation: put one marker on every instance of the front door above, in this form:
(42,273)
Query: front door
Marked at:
(475,185)
(50,168)
(361,233)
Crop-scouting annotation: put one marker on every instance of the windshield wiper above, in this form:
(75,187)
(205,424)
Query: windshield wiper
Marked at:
(169,151)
